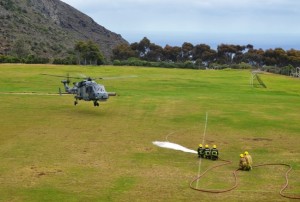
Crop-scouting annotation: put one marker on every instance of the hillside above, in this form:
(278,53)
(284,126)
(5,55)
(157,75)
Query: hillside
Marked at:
(49,28)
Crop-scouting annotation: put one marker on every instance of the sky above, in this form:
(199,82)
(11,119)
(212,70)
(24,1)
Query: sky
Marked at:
(262,23)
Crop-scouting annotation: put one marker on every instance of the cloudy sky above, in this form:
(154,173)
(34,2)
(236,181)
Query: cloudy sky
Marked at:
(263,23)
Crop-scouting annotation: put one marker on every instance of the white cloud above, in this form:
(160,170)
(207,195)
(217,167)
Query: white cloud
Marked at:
(146,17)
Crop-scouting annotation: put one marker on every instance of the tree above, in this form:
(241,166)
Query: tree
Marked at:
(226,53)
(239,54)
(249,46)
(123,52)
(81,51)
(155,53)
(254,57)
(293,57)
(187,51)
(204,54)
(134,47)
(171,54)
(88,52)
(94,54)
(209,56)
(276,57)
(143,47)
(145,50)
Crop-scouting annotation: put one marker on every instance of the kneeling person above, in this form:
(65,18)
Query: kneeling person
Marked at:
(243,162)
(248,160)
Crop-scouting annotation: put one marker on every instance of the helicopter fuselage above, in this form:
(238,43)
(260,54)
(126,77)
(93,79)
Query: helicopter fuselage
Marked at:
(89,90)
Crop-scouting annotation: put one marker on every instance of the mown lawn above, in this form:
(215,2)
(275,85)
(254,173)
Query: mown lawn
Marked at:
(51,150)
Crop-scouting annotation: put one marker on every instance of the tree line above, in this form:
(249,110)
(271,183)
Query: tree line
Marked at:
(203,56)
(83,53)
(146,53)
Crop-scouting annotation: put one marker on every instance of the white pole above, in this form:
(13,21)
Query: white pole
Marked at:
(203,139)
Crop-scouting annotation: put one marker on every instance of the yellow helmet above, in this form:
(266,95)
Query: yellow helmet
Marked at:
(200,145)
(246,153)
(241,155)
(215,146)
(206,146)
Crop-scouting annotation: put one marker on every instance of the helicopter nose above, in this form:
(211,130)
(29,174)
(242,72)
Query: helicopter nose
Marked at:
(103,96)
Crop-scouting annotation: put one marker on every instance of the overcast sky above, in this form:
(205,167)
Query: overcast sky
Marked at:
(263,23)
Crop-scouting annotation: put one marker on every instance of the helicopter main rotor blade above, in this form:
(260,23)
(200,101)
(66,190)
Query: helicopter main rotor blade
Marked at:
(63,76)
(54,75)
(111,78)
(119,77)
(31,93)
(92,78)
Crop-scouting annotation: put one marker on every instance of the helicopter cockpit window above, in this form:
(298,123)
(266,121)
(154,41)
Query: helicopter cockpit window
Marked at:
(99,88)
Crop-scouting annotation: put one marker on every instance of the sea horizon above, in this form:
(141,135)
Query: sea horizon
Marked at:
(259,41)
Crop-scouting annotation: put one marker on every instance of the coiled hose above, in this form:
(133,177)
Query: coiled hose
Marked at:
(226,162)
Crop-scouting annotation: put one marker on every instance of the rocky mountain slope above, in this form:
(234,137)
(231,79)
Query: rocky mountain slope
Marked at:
(49,28)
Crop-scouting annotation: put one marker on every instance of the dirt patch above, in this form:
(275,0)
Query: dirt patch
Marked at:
(262,139)
(258,139)
(39,172)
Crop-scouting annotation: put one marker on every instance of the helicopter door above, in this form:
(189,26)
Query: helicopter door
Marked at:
(89,90)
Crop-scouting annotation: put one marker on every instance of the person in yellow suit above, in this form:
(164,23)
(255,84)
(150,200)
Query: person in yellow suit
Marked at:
(248,160)
(243,162)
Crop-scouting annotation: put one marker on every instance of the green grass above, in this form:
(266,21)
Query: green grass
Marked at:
(51,150)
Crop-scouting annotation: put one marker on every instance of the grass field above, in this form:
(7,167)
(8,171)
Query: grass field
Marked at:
(51,150)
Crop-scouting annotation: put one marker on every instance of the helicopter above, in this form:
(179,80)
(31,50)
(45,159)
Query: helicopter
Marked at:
(87,89)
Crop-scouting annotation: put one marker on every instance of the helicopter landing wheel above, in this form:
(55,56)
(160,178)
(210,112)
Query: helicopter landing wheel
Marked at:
(75,103)
(96,104)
